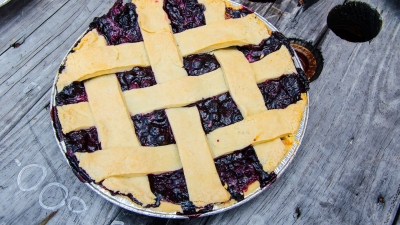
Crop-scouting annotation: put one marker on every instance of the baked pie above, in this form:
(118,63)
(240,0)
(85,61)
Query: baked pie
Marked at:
(180,106)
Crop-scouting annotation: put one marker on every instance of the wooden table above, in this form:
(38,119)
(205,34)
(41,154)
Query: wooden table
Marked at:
(345,172)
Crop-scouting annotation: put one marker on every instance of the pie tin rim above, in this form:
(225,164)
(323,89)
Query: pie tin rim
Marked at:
(129,205)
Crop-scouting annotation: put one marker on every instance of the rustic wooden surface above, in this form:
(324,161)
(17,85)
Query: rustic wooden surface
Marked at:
(347,170)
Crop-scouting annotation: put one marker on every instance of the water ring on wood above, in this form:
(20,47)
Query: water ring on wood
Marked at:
(34,187)
(310,57)
(59,205)
(84,207)
(355,21)
(117,223)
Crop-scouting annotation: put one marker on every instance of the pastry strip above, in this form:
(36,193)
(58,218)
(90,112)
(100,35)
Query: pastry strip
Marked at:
(270,154)
(222,34)
(103,60)
(241,82)
(161,48)
(113,122)
(203,183)
(129,161)
(75,117)
(215,10)
(273,65)
(138,186)
(165,95)
(90,40)
(257,129)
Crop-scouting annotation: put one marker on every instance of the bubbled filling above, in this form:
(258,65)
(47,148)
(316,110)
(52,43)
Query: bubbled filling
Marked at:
(231,13)
(153,129)
(119,25)
(72,94)
(254,53)
(138,77)
(280,92)
(184,14)
(218,111)
(240,169)
(199,64)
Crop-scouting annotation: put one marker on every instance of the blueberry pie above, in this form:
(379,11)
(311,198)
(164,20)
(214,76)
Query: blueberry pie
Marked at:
(180,106)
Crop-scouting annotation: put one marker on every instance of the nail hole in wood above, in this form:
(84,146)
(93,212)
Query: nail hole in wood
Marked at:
(381,200)
(297,213)
(355,21)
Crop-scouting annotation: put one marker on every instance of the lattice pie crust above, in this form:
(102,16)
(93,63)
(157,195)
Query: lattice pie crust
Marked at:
(123,165)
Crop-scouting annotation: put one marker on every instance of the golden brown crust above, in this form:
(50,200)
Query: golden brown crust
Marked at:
(129,161)
(75,117)
(222,34)
(103,60)
(138,186)
(256,129)
(270,154)
(240,80)
(273,65)
(113,122)
(164,95)
(161,48)
(204,188)
(215,10)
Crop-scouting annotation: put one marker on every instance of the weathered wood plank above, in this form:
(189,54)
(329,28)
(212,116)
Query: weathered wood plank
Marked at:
(350,151)
(29,70)
(32,142)
(348,160)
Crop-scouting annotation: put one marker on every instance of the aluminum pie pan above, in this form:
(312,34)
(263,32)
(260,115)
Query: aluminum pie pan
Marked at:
(129,205)
(3,2)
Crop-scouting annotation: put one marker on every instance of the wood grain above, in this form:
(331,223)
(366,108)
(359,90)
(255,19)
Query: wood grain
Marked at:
(346,171)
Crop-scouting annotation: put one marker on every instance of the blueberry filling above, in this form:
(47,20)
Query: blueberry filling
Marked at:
(119,25)
(280,92)
(240,169)
(72,94)
(237,13)
(254,53)
(138,77)
(184,14)
(218,111)
(153,128)
(56,123)
(199,64)
(170,186)
(62,68)
(85,140)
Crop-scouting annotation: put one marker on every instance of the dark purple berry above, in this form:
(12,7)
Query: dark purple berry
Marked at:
(237,13)
(72,94)
(85,140)
(153,128)
(218,111)
(200,64)
(273,43)
(240,169)
(280,92)
(119,25)
(184,14)
(170,186)
(138,77)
